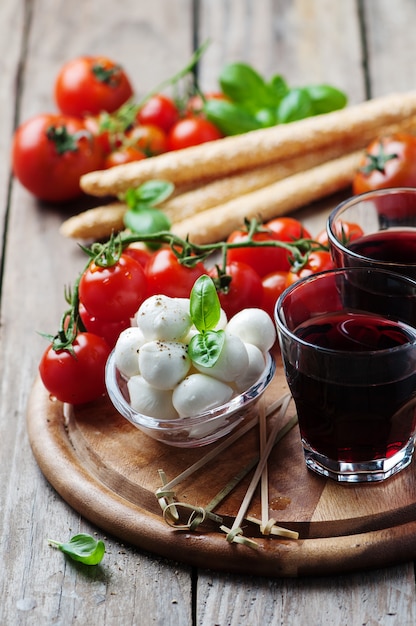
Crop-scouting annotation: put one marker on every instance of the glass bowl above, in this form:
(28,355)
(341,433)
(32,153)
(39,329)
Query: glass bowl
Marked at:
(189,432)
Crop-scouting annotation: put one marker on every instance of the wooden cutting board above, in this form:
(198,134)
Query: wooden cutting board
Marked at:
(107,470)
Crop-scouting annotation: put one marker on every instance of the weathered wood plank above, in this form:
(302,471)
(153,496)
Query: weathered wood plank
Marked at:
(37,584)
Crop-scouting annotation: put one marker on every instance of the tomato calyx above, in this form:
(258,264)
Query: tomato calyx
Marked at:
(65,141)
(104,255)
(377,162)
(108,75)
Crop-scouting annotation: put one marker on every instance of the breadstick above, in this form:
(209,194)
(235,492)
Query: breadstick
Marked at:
(97,223)
(276,199)
(259,147)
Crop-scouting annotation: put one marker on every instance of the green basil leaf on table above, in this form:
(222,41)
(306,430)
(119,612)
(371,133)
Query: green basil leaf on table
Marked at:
(146,221)
(151,192)
(83,548)
(326,98)
(242,84)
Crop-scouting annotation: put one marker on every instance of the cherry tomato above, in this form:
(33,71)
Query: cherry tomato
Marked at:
(245,289)
(148,138)
(192,131)
(287,229)
(166,275)
(76,378)
(123,155)
(318,261)
(348,232)
(388,162)
(110,331)
(139,253)
(160,111)
(113,293)
(108,138)
(50,153)
(273,285)
(90,84)
(262,260)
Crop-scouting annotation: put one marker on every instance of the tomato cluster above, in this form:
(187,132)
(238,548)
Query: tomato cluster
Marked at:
(99,126)
(258,266)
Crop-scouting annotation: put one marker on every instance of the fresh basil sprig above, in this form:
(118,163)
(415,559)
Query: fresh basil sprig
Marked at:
(143,217)
(83,548)
(253,103)
(205,310)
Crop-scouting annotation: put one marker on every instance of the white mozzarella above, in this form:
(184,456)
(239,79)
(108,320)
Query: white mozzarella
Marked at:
(198,393)
(253,326)
(150,401)
(232,361)
(126,351)
(164,364)
(255,368)
(164,318)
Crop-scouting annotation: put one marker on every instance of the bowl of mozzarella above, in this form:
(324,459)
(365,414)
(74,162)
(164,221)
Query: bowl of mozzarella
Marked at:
(153,383)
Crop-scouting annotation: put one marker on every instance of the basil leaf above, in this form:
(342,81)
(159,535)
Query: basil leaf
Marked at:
(205,348)
(151,192)
(279,87)
(230,118)
(243,84)
(205,309)
(296,105)
(267,117)
(82,548)
(326,98)
(146,221)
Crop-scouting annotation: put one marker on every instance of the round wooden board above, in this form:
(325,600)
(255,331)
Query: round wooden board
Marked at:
(107,470)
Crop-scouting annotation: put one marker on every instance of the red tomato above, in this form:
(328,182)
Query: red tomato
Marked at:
(77,378)
(107,137)
(348,231)
(50,153)
(245,289)
(139,253)
(388,162)
(273,285)
(192,131)
(110,331)
(160,111)
(88,85)
(318,261)
(148,138)
(287,229)
(165,275)
(262,260)
(113,293)
(123,155)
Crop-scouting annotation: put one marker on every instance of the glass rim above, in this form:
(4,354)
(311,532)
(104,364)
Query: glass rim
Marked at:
(354,200)
(282,327)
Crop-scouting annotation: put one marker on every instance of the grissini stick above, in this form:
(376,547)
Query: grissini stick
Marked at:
(279,198)
(232,154)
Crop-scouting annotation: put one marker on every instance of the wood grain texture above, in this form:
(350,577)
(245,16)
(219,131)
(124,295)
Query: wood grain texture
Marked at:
(306,42)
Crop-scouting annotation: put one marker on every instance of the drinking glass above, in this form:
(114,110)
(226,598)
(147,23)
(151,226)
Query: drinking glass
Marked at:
(349,354)
(387,220)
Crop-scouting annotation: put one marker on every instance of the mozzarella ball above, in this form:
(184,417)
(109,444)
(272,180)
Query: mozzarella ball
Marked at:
(150,401)
(164,318)
(253,326)
(164,364)
(198,393)
(232,361)
(255,368)
(126,351)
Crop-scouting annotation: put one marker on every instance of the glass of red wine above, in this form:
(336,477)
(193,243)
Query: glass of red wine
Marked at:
(376,229)
(349,354)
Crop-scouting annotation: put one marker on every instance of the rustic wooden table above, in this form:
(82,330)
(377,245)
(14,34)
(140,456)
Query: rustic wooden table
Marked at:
(365,47)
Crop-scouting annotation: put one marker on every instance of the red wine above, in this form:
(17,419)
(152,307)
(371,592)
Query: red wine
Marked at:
(392,246)
(361,411)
